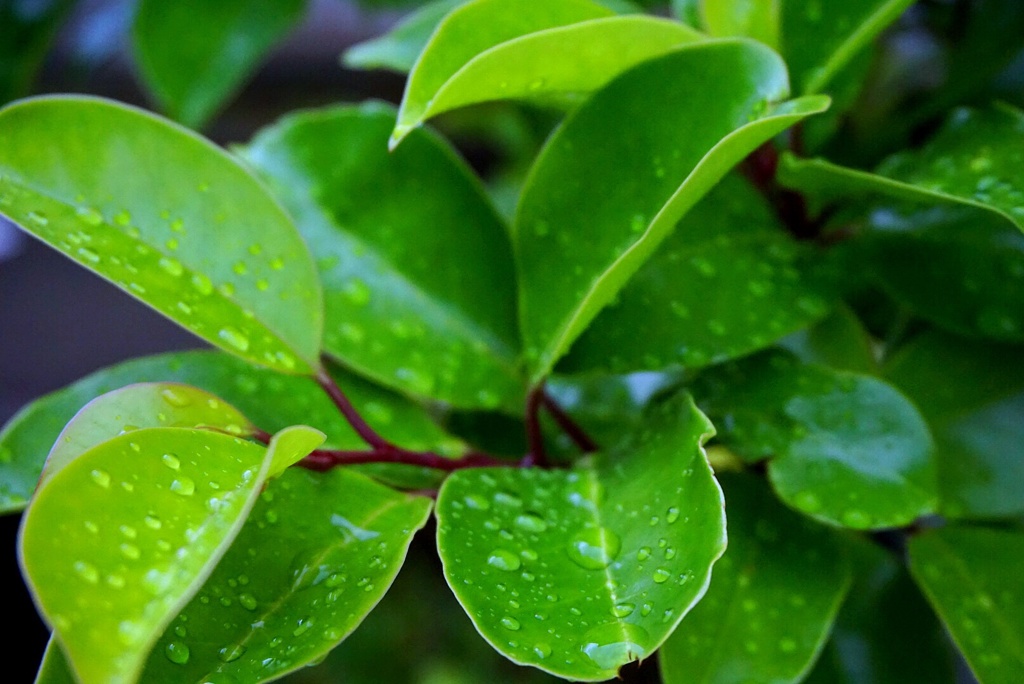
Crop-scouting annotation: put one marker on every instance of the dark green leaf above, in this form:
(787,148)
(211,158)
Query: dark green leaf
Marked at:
(885,633)
(967,274)
(26,30)
(971,576)
(565,62)
(727,282)
(771,603)
(398,49)
(316,555)
(415,262)
(169,218)
(972,395)
(270,400)
(757,19)
(591,214)
(473,29)
(578,572)
(839,341)
(54,669)
(974,160)
(121,537)
(845,449)
(195,54)
(687,11)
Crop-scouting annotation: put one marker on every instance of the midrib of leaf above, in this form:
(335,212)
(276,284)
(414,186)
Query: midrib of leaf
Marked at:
(655,232)
(593,490)
(327,550)
(1006,632)
(119,235)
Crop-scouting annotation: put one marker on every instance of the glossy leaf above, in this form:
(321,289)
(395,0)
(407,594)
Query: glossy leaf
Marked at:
(971,577)
(167,217)
(26,30)
(143,405)
(727,282)
(194,55)
(383,225)
(757,19)
(316,555)
(886,632)
(974,160)
(578,572)
(590,215)
(565,62)
(475,28)
(270,400)
(845,449)
(970,278)
(771,605)
(972,395)
(839,341)
(820,38)
(398,49)
(123,535)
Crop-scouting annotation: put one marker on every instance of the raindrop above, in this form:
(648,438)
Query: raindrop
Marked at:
(594,548)
(503,560)
(101,477)
(202,284)
(614,644)
(508,499)
(183,486)
(171,461)
(542,650)
(234,338)
(87,572)
(303,626)
(153,522)
(510,623)
(130,551)
(231,653)
(621,610)
(177,653)
(170,266)
(477,502)
(672,515)
(661,576)
(531,522)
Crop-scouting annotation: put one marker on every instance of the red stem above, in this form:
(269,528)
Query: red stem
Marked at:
(568,425)
(325,459)
(362,428)
(534,437)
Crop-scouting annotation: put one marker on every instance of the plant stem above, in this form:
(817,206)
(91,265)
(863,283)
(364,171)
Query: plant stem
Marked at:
(362,428)
(534,437)
(568,425)
(325,459)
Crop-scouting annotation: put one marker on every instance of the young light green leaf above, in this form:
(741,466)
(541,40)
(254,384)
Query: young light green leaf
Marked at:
(116,542)
(757,19)
(885,632)
(565,62)
(839,341)
(475,28)
(169,218)
(194,55)
(578,572)
(382,225)
(398,49)
(972,395)
(975,160)
(590,215)
(820,38)
(272,401)
(775,594)
(971,577)
(142,405)
(845,449)
(970,278)
(727,282)
(317,554)
(25,36)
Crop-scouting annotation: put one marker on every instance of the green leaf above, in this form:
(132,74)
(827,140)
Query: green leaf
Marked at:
(398,49)
(839,341)
(590,215)
(845,449)
(757,19)
(193,55)
(471,30)
(26,31)
(972,395)
(143,405)
(774,596)
(970,274)
(271,401)
(578,572)
(317,554)
(54,669)
(821,37)
(116,541)
(727,282)
(885,633)
(974,160)
(416,264)
(169,218)
(971,577)
(564,62)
